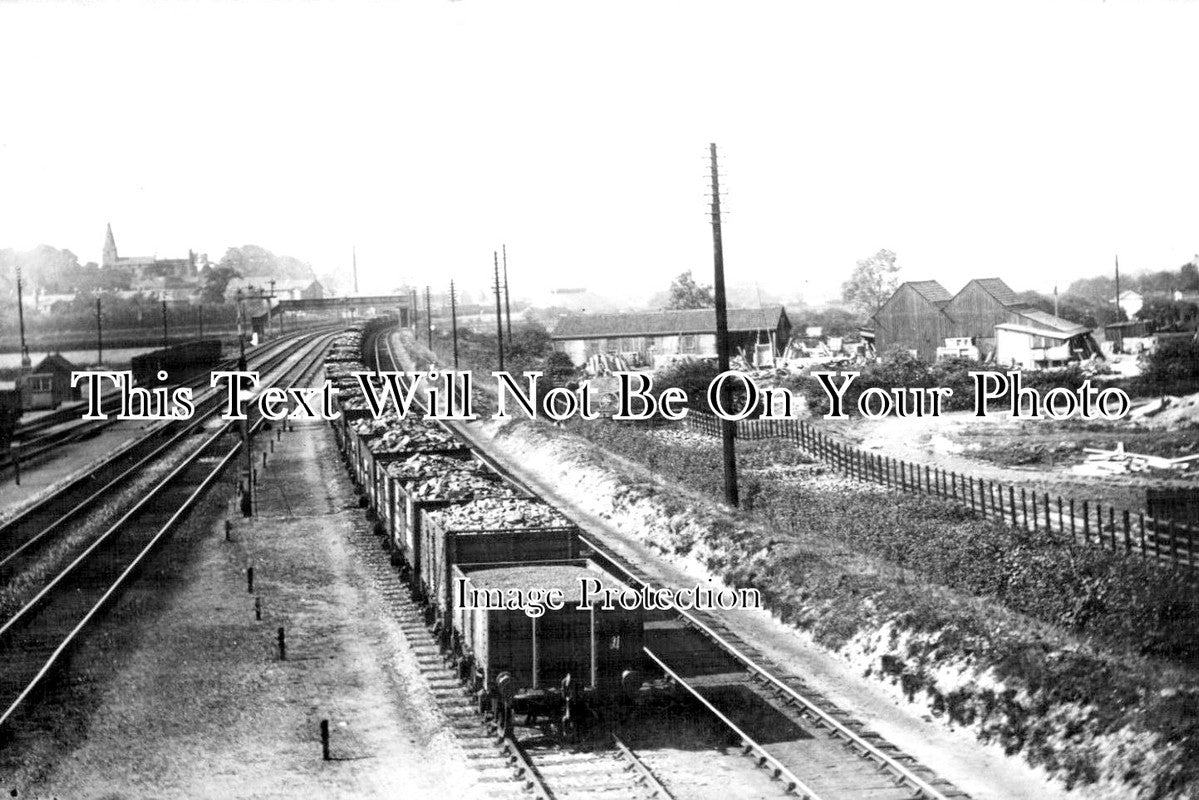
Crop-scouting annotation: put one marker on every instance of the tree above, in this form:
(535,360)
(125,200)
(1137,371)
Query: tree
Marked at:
(872,282)
(216,281)
(686,293)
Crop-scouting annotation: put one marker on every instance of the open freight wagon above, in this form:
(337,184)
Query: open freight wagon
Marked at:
(431,481)
(513,655)
(487,530)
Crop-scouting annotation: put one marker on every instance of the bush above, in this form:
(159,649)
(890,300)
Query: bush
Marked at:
(900,369)
(1171,360)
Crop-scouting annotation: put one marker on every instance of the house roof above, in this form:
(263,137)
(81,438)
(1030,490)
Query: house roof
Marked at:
(1045,321)
(997,289)
(931,291)
(661,323)
(1043,332)
(54,362)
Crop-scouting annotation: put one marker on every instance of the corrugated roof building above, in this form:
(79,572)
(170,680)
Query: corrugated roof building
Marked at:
(648,338)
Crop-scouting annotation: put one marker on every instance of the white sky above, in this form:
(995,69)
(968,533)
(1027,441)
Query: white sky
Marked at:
(1027,140)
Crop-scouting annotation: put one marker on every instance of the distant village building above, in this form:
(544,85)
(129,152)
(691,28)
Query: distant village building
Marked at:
(922,317)
(172,279)
(1131,301)
(654,337)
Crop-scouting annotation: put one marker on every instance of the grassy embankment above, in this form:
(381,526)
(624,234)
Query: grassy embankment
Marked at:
(1079,659)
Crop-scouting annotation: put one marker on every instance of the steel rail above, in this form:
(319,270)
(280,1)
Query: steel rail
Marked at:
(69,639)
(780,771)
(117,526)
(523,767)
(656,789)
(304,366)
(271,358)
(864,748)
(28,449)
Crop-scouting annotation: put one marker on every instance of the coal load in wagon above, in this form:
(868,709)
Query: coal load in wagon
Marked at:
(431,481)
(599,648)
(403,437)
(486,531)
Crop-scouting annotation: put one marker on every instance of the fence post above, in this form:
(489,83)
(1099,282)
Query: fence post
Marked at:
(927,487)
(1128,533)
(1061,520)
(1024,508)
(1086,521)
(953,484)
(970,481)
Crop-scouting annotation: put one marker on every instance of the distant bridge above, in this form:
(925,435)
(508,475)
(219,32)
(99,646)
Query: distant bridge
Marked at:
(398,304)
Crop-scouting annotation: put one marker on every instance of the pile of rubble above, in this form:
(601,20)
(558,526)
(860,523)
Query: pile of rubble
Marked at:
(1119,462)
(1168,412)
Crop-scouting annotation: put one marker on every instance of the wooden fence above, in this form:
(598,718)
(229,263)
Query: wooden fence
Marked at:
(1115,529)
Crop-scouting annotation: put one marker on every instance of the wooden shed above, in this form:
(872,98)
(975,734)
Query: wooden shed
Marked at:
(979,306)
(50,383)
(913,318)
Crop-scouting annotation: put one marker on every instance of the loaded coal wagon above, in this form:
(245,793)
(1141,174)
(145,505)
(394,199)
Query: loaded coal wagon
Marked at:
(487,530)
(397,439)
(545,659)
(428,482)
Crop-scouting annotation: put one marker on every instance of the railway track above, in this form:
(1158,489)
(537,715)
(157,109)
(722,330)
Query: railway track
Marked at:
(37,636)
(82,493)
(814,749)
(46,435)
(527,763)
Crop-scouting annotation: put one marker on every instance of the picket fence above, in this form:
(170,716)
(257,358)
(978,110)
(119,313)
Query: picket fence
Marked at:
(1092,522)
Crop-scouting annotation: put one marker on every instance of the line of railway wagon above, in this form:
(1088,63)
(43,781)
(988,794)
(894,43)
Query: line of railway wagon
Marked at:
(447,518)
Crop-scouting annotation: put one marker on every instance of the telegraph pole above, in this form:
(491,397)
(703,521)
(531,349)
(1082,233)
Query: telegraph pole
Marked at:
(1118,309)
(428,319)
(507,308)
(269,300)
(26,361)
(241,333)
(1055,300)
(164,324)
(499,317)
(354,256)
(454,321)
(99,335)
(728,429)
(201,320)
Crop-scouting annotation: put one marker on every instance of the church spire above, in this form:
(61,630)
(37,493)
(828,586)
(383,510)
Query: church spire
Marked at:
(110,249)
